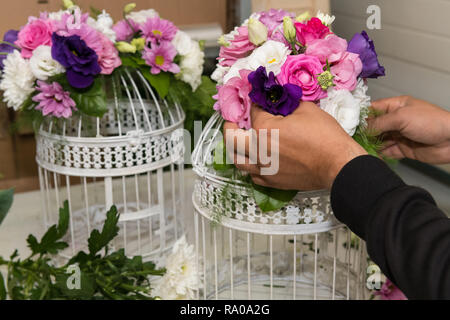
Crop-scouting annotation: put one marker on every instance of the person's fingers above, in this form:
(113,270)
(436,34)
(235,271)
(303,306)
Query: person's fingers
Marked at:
(387,122)
(239,141)
(252,169)
(259,180)
(260,116)
(389,104)
(393,152)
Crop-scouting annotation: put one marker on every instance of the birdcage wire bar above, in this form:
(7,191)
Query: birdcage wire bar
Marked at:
(132,157)
(299,252)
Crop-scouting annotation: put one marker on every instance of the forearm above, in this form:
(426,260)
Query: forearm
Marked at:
(406,234)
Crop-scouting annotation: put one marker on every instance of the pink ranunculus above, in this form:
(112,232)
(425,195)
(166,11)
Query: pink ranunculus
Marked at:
(312,30)
(240,47)
(390,292)
(302,70)
(36,33)
(331,49)
(233,100)
(123,30)
(346,72)
(109,57)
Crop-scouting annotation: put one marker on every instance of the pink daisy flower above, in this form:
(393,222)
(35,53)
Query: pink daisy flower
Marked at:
(160,58)
(53,100)
(158,30)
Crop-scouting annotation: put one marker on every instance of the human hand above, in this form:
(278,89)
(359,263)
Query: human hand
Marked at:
(312,148)
(413,129)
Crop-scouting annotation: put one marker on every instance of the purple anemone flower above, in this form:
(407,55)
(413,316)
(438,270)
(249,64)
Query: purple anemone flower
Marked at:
(363,45)
(271,96)
(10,37)
(80,61)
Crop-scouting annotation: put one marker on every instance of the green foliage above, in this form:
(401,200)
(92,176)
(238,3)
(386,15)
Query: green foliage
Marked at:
(91,101)
(6,200)
(270,199)
(221,161)
(102,275)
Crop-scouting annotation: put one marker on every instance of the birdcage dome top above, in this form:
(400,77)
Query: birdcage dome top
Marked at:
(137,132)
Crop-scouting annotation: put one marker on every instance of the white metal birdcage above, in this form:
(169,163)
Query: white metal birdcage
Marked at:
(132,157)
(298,252)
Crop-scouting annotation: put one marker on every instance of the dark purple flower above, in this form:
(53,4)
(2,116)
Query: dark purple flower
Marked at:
(10,37)
(271,96)
(363,45)
(80,61)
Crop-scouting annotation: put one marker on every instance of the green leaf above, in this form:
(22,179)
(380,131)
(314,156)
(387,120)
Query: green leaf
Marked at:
(91,101)
(2,288)
(161,81)
(63,222)
(85,292)
(269,199)
(6,200)
(97,240)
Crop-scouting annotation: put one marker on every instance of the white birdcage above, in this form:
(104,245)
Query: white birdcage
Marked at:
(298,252)
(132,157)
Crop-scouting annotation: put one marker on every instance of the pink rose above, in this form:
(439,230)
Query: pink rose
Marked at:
(233,100)
(312,30)
(36,33)
(239,48)
(332,48)
(302,70)
(123,30)
(109,56)
(346,72)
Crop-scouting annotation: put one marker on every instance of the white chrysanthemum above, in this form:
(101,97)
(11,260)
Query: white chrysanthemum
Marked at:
(326,18)
(192,59)
(344,108)
(43,65)
(227,38)
(219,74)
(142,16)
(360,94)
(17,81)
(182,276)
(103,24)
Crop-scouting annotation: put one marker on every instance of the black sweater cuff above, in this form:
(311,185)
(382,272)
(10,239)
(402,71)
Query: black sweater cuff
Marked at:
(354,194)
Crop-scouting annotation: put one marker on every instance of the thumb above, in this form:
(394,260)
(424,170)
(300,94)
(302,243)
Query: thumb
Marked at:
(259,115)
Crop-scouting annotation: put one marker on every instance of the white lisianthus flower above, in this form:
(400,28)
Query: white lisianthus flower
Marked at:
(43,65)
(342,106)
(182,276)
(219,74)
(142,16)
(103,24)
(360,94)
(271,55)
(191,66)
(257,32)
(239,65)
(17,82)
(325,18)
(226,39)
(57,16)
(183,43)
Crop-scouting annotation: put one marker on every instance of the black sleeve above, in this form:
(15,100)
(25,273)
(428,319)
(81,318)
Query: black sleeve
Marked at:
(406,234)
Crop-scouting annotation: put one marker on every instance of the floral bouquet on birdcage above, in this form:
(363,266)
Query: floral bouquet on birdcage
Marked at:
(58,63)
(275,60)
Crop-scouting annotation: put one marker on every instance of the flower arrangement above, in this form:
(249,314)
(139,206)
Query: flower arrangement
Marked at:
(57,63)
(275,60)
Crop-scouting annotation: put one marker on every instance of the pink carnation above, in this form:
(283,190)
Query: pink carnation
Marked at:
(123,30)
(36,33)
(108,59)
(312,30)
(53,100)
(240,48)
(158,30)
(331,49)
(160,58)
(302,70)
(346,72)
(233,100)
